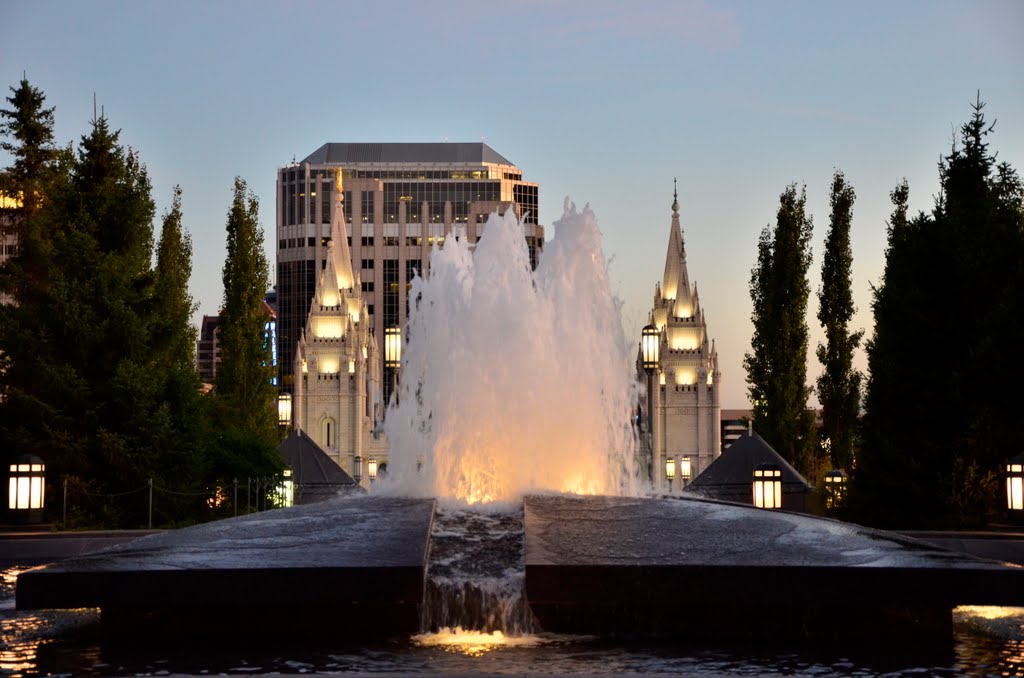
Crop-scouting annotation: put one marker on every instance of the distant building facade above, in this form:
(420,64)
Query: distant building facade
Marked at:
(400,200)
(208,344)
(9,220)
(336,384)
(685,412)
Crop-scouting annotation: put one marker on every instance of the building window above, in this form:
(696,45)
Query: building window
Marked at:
(367,241)
(390,241)
(329,432)
(367,285)
(311,242)
(367,201)
(325,203)
(390,292)
(367,263)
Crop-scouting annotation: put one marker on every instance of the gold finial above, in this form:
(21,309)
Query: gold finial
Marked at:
(340,186)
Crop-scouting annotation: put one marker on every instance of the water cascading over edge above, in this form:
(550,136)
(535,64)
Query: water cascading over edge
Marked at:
(513,380)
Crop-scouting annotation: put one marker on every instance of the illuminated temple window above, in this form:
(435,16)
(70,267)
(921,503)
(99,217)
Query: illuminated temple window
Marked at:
(329,298)
(353,309)
(329,364)
(661,378)
(328,328)
(351,366)
(685,377)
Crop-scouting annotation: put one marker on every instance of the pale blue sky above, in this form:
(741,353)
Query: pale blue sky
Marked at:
(603,101)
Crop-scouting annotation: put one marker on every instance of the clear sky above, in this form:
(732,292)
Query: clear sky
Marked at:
(603,101)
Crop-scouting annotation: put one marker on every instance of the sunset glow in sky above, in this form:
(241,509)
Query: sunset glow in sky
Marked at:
(603,101)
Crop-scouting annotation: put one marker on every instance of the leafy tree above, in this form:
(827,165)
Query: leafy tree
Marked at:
(244,388)
(944,355)
(174,334)
(839,384)
(776,366)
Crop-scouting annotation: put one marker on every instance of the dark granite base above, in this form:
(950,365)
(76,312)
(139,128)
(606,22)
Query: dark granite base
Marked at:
(709,569)
(353,565)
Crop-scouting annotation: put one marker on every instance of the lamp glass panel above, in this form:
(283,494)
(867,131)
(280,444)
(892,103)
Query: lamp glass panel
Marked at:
(22,493)
(12,494)
(1015,493)
(35,498)
(685,469)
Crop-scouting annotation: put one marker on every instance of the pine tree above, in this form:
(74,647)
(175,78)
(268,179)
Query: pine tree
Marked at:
(839,384)
(244,385)
(944,355)
(28,128)
(776,366)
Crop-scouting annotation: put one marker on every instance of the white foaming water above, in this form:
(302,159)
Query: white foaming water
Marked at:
(514,381)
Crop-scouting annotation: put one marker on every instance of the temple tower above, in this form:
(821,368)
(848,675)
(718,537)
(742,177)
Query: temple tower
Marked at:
(685,407)
(337,367)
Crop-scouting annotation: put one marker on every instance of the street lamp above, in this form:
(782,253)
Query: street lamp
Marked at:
(392,346)
(650,347)
(26,495)
(767,486)
(284,410)
(835,488)
(1015,483)
(357,469)
(371,469)
(670,471)
(685,471)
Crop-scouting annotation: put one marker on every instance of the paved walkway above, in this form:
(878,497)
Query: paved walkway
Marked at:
(27,546)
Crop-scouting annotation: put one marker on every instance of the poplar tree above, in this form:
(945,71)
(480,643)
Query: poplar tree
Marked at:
(174,334)
(839,384)
(776,365)
(244,388)
(944,359)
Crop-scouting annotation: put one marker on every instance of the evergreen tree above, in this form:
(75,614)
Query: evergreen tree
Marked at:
(839,384)
(776,366)
(944,355)
(28,130)
(244,388)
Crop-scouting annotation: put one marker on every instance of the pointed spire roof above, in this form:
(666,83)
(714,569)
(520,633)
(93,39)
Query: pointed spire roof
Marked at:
(337,249)
(676,282)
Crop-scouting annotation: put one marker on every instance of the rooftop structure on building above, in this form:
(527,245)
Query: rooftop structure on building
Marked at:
(401,200)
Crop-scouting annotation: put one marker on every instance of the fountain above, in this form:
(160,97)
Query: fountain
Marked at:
(513,504)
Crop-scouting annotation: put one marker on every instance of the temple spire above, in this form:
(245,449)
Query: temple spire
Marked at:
(338,249)
(676,282)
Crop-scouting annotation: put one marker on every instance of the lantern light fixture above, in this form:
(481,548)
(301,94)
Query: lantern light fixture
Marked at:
(767,486)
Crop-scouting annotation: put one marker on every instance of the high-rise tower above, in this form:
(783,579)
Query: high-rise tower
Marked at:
(685,408)
(401,200)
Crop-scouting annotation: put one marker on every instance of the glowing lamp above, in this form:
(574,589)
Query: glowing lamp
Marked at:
(1015,483)
(685,468)
(286,491)
(392,346)
(26,495)
(371,469)
(835,488)
(284,410)
(767,486)
(670,471)
(650,346)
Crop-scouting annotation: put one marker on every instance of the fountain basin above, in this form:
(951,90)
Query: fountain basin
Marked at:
(715,569)
(351,566)
(617,565)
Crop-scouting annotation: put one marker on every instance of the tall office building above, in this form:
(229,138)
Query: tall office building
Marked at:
(400,200)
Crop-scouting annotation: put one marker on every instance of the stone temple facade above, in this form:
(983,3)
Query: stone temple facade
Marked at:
(685,399)
(337,387)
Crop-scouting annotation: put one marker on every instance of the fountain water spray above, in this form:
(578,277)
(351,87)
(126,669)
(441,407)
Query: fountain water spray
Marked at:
(515,381)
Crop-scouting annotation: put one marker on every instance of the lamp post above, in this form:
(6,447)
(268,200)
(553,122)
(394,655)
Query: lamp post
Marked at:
(670,471)
(26,494)
(371,469)
(835,488)
(284,410)
(767,486)
(1015,485)
(685,470)
(392,359)
(357,469)
(650,347)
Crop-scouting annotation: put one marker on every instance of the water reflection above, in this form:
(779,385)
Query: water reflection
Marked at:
(987,642)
